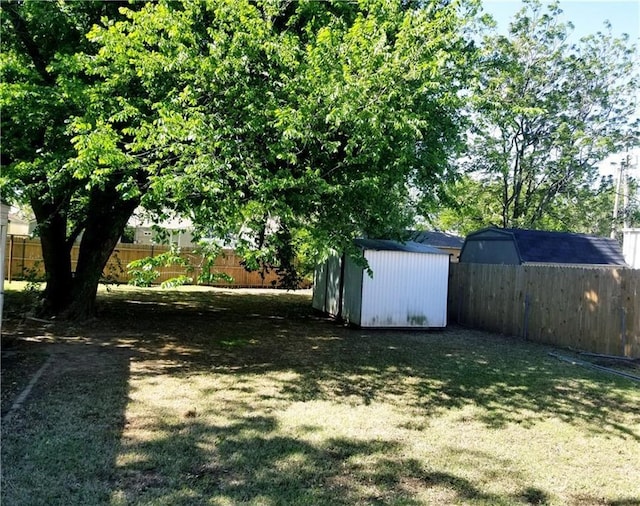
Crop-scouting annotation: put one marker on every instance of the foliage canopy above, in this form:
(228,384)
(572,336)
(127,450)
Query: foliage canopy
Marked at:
(294,126)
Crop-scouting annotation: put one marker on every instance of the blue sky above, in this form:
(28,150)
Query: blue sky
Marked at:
(587,16)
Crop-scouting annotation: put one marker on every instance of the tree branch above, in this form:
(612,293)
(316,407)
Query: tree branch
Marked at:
(25,37)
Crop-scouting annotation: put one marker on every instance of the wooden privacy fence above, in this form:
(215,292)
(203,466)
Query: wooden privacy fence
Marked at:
(590,309)
(24,261)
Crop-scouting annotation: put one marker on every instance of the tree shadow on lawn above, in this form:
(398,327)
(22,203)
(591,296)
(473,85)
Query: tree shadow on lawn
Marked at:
(59,447)
(233,335)
(433,371)
(253,463)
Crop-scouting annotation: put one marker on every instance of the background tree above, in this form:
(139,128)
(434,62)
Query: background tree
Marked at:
(292,125)
(544,114)
(472,204)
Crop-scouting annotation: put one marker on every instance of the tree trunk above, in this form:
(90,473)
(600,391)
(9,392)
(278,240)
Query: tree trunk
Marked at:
(56,254)
(105,224)
(69,295)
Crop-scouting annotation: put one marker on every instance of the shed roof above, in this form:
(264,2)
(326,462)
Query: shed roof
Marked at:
(388,245)
(437,239)
(541,246)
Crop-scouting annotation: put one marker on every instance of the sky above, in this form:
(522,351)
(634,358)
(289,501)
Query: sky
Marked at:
(588,17)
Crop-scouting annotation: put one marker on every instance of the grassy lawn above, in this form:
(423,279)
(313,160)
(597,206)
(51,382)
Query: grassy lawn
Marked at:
(204,396)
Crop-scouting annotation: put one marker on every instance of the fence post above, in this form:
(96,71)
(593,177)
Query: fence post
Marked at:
(10,266)
(24,254)
(623,329)
(527,305)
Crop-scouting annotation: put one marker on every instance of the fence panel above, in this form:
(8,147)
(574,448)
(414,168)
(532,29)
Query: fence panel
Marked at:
(23,258)
(24,261)
(591,309)
(631,313)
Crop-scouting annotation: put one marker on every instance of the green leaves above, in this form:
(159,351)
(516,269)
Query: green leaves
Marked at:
(144,271)
(274,123)
(312,126)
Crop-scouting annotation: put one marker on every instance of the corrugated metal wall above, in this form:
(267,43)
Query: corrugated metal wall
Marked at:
(406,290)
(352,305)
(326,286)
(319,287)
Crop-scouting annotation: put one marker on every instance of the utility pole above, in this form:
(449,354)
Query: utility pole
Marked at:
(625,195)
(616,202)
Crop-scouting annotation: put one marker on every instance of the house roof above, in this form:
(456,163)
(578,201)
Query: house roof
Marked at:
(16,218)
(387,245)
(540,246)
(437,239)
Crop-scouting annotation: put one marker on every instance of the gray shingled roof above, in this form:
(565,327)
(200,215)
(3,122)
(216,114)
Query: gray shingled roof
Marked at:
(437,239)
(538,246)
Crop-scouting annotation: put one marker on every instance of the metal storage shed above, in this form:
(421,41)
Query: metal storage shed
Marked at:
(514,246)
(408,288)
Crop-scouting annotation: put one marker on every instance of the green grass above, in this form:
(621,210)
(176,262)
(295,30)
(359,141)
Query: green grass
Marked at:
(204,396)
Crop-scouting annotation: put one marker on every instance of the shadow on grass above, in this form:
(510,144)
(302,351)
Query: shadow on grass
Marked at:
(64,449)
(253,464)
(512,381)
(60,446)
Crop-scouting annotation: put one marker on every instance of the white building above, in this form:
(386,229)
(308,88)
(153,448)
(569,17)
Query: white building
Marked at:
(4,225)
(631,246)
(407,289)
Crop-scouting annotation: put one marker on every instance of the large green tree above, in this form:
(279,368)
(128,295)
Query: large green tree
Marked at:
(292,125)
(43,87)
(545,112)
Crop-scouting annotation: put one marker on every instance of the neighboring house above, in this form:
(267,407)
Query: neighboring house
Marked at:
(150,235)
(4,225)
(4,213)
(631,246)
(20,225)
(451,244)
(408,286)
(518,247)
(142,231)
(177,231)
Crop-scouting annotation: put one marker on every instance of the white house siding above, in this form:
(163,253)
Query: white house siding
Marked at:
(4,225)
(631,247)
(406,290)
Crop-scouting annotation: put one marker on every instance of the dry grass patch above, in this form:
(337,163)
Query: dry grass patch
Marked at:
(225,398)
